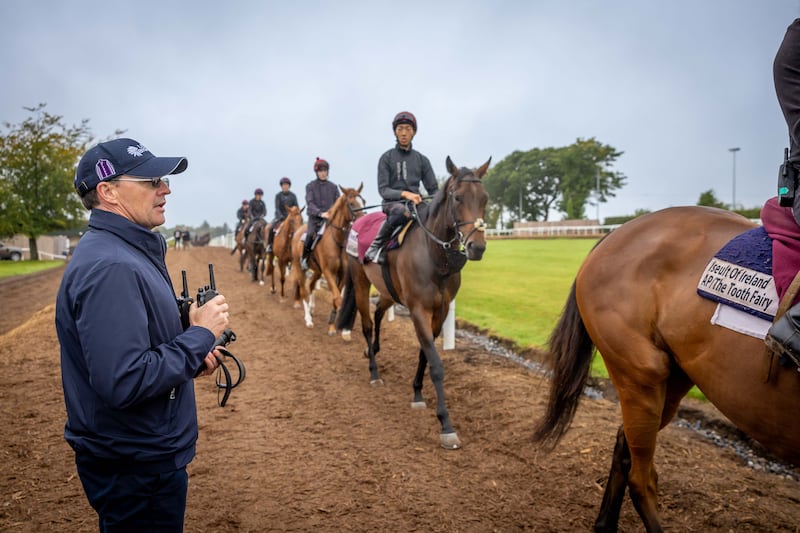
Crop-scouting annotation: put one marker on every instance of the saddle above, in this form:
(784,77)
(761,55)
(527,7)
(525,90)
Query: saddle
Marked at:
(751,277)
(365,229)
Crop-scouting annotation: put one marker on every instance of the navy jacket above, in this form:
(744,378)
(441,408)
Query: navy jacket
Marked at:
(127,366)
(404,170)
(257,209)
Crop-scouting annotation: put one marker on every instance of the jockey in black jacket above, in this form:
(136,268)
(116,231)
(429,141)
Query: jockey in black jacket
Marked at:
(321,194)
(257,210)
(401,170)
(283,201)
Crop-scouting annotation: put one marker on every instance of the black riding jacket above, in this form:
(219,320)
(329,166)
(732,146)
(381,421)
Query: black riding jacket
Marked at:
(283,201)
(403,170)
(258,209)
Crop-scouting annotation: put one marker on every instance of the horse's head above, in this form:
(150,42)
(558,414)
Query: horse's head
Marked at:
(466,199)
(353,200)
(294,219)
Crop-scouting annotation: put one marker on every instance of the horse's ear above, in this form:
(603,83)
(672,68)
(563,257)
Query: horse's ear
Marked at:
(301,211)
(481,171)
(342,189)
(360,187)
(451,168)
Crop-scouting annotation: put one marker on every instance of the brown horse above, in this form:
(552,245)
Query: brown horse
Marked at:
(425,275)
(255,249)
(635,299)
(240,247)
(282,246)
(328,257)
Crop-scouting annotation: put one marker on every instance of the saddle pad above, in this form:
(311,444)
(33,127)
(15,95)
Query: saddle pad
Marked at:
(364,230)
(362,233)
(785,234)
(740,275)
(732,318)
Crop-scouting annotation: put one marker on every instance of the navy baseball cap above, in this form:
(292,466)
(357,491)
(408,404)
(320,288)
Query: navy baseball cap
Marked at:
(111,159)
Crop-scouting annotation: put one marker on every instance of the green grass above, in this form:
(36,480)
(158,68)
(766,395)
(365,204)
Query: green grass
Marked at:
(18,268)
(518,290)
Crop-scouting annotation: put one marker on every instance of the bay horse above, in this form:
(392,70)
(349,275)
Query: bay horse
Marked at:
(635,300)
(255,249)
(328,257)
(425,274)
(282,247)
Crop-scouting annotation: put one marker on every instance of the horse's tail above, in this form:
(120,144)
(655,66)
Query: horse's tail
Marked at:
(571,351)
(346,316)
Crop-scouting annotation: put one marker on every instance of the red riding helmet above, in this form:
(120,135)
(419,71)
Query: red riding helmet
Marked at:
(321,164)
(404,117)
(285,180)
(258,191)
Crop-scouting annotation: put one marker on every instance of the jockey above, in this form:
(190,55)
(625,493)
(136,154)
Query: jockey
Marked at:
(785,332)
(401,170)
(283,201)
(321,194)
(257,209)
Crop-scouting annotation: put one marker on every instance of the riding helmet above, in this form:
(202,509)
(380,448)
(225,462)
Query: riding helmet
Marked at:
(245,201)
(321,164)
(404,117)
(259,191)
(285,180)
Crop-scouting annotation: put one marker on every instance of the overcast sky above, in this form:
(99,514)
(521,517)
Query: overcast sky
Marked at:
(251,91)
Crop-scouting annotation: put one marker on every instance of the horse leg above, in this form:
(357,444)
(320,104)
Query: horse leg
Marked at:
(336,300)
(422,319)
(380,310)
(419,401)
(608,519)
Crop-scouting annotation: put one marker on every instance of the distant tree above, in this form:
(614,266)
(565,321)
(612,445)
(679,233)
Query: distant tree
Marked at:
(38,158)
(528,185)
(709,199)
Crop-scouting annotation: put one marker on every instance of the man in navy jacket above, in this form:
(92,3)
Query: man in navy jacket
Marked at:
(127,363)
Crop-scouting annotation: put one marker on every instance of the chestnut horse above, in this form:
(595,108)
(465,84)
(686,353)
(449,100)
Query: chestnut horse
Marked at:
(328,257)
(425,274)
(255,247)
(282,246)
(635,299)
(240,244)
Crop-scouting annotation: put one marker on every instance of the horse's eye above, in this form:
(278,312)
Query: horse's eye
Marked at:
(458,198)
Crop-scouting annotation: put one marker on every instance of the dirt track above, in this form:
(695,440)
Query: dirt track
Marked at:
(305,444)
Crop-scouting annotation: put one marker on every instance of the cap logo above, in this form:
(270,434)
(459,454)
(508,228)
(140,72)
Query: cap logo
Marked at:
(104,169)
(136,151)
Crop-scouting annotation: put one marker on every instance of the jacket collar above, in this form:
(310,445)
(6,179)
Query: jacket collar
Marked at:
(151,243)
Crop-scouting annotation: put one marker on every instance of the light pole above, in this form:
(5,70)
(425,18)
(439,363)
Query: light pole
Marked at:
(733,151)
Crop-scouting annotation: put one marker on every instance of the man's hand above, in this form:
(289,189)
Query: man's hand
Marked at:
(411,196)
(213,315)
(211,361)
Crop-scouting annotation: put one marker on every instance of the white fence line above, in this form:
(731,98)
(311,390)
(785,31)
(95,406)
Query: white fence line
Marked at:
(552,231)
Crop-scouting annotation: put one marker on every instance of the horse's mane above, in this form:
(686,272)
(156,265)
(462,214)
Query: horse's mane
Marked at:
(441,195)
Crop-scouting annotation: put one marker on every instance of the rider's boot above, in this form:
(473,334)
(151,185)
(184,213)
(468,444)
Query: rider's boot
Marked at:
(375,250)
(306,252)
(269,241)
(784,335)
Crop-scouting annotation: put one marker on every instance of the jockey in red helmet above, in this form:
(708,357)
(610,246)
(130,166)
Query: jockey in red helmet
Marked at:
(320,197)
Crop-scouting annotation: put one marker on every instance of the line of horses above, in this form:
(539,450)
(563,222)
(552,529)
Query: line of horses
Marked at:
(633,300)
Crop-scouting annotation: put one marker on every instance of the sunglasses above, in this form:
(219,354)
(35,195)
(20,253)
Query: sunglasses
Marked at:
(155,183)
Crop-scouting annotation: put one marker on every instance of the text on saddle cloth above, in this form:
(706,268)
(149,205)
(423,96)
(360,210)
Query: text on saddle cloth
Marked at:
(740,275)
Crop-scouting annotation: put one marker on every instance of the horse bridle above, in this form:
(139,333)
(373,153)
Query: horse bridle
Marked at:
(477,225)
(346,228)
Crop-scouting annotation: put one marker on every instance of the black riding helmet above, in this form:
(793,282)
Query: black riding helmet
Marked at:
(404,117)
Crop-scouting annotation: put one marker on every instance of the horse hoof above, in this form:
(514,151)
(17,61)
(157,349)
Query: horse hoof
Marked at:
(331,333)
(449,441)
(310,325)
(260,282)
(296,305)
(376,382)
(346,335)
(421,405)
